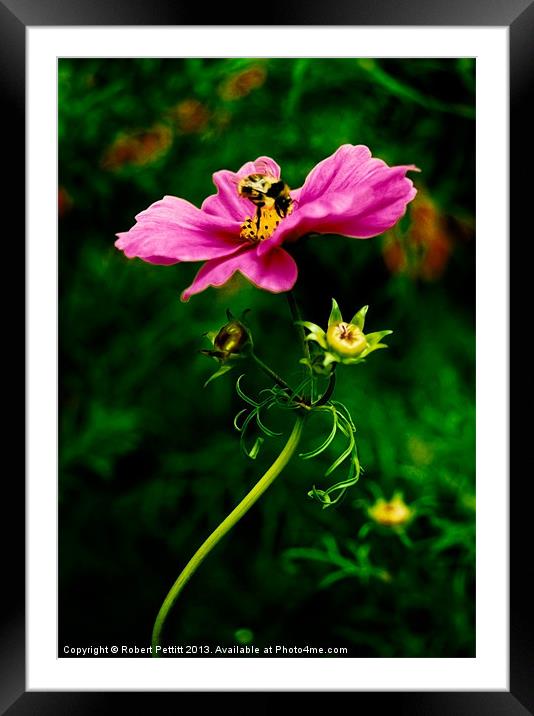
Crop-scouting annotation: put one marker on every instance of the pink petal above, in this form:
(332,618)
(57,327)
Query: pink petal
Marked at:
(275,271)
(173,230)
(262,165)
(340,172)
(349,193)
(227,202)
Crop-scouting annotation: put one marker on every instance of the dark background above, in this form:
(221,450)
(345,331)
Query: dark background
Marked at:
(149,460)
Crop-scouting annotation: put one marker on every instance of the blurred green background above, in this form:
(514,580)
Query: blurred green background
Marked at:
(149,460)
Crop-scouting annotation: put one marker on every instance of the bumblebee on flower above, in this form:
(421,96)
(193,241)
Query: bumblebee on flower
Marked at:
(350,193)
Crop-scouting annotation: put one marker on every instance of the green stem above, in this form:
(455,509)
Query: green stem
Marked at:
(225,526)
(270,372)
(297,316)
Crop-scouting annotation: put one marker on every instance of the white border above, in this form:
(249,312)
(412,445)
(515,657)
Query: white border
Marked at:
(489,670)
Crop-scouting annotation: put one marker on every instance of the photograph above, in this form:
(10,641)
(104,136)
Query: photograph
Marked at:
(266,326)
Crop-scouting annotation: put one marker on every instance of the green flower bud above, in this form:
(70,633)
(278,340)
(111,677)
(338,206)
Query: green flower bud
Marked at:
(232,339)
(347,339)
(342,342)
(230,343)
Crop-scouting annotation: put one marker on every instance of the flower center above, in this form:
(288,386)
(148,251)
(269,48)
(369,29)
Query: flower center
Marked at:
(272,198)
(391,514)
(346,338)
(262,226)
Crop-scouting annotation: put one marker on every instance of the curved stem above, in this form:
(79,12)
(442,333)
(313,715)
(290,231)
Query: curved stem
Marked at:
(325,397)
(225,526)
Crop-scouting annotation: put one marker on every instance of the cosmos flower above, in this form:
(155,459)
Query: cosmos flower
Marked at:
(64,201)
(394,513)
(349,193)
(190,116)
(243,83)
(138,148)
(422,252)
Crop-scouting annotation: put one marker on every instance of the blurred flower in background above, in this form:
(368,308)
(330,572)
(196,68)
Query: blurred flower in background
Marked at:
(64,202)
(190,115)
(424,249)
(240,84)
(138,148)
(392,513)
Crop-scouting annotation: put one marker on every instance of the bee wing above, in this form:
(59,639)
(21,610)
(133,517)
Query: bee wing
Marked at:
(259,185)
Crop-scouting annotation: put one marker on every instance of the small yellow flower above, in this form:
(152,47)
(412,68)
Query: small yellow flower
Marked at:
(343,341)
(394,513)
(346,338)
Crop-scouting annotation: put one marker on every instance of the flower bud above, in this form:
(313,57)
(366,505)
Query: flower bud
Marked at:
(231,339)
(343,341)
(347,339)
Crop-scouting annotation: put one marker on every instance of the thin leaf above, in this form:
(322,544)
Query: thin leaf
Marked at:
(335,314)
(359,318)
(316,332)
(344,455)
(376,337)
(322,447)
(337,576)
(242,394)
(263,427)
(253,454)
(236,426)
(222,370)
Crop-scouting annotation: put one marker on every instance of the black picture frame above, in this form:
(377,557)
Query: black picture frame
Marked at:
(518,16)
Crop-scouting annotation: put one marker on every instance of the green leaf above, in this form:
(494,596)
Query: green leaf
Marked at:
(316,333)
(261,425)
(222,370)
(375,338)
(335,314)
(320,496)
(236,419)
(330,358)
(242,394)
(359,318)
(322,447)
(253,454)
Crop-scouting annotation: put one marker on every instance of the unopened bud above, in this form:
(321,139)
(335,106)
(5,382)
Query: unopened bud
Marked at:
(346,339)
(232,338)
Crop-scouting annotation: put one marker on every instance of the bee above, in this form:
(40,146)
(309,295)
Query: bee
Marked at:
(266,192)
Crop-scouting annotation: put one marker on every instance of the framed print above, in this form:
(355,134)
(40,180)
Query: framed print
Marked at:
(224,223)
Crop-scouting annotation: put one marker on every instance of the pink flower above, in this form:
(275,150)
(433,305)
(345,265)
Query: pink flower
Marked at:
(349,193)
